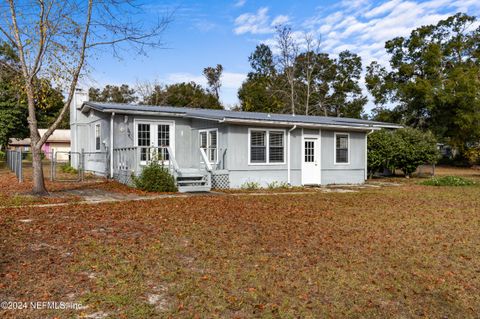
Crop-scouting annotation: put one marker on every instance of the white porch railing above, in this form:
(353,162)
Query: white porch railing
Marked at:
(129,160)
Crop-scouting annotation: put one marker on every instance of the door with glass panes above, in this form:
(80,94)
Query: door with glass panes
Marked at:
(153,138)
(311,160)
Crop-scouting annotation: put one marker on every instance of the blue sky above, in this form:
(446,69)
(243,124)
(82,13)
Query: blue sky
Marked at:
(205,33)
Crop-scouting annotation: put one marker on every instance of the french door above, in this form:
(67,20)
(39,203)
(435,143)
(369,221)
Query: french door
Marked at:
(153,138)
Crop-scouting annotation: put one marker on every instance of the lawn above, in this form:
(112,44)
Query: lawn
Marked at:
(397,251)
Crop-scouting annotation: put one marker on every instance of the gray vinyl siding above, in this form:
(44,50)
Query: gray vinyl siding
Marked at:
(233,141)
(352,173)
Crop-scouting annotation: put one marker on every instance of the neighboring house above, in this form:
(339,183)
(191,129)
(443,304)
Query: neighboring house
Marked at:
(222,149)
(58,142)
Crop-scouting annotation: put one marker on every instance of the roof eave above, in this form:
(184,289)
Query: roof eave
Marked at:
(301,124)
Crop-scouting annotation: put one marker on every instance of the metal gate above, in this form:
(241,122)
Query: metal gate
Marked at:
(62,169)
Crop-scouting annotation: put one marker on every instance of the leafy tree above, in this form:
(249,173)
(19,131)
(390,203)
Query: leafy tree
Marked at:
(213,76)
(347,98)
(257,93)
(433,83)
(405,149)
(312,83)
(113,93)
(13,100)
(381,151)
(184,95)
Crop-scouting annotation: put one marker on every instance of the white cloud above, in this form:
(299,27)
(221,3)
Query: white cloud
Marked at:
(255,23)
(385,7)
(363,26)
(281,19)
(240,3)
(258,22)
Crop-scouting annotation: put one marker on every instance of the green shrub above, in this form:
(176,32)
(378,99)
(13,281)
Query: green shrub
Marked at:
(405,149)
(448,181)
(2,156)
(277,185)
(155,178)
(472,155)
(250,185)
(66,168)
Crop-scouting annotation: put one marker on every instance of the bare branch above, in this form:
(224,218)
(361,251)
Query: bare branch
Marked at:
(73,84)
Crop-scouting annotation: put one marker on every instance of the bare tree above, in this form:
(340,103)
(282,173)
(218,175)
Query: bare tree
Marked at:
(213,76)
(54,38)
(288,52)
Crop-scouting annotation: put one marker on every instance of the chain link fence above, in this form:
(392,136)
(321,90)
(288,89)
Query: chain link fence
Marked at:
(59,166)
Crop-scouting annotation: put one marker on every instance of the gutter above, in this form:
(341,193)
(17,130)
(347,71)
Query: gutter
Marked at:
(366,153)
(288,154)
(302,124)
(111,144)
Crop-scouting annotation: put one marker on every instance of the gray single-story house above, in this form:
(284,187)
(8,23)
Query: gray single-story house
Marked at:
(207,148)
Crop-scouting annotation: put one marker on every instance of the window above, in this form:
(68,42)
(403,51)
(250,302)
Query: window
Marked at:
(341,148)
(209,143)
(97,137)
(275,153)
(309,151)
(267,146)
(258,147)
(163,140)
(143,140)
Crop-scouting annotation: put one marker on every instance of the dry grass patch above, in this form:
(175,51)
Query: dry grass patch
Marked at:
(406,251)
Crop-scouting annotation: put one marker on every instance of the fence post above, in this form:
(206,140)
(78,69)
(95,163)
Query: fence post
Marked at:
(82,164)
(52,167)
(20,173)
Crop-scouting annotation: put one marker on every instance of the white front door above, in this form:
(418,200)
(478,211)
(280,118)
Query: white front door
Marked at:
(311,161)
(152,138)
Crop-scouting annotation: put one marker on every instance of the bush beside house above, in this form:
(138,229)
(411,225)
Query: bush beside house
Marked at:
(403,149)
(155,177)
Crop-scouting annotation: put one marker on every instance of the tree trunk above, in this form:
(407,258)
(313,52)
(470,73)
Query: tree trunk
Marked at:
(38,181)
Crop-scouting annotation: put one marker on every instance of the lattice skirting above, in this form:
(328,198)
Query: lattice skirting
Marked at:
(124,177)
(220,181)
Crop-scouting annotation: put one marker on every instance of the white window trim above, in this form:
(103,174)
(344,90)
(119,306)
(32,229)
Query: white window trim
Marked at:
(335,148)
(154,122)
(267,138)
(200,142)
(99,124)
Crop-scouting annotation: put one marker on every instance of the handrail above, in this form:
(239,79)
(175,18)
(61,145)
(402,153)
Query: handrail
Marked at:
(172,159)
(205,160)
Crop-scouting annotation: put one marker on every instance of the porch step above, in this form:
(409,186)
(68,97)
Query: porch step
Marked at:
(193,180)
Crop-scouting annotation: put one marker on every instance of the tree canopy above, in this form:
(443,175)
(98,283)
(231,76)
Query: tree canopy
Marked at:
(13,100)
(113,93)
(186,94)
(304,82)
(433,82)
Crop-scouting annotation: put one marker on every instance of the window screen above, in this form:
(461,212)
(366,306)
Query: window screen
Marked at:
(341,148)
(258,148)
(276,148)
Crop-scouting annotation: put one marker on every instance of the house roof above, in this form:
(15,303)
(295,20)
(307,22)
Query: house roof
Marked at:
(238,117)
(58,136)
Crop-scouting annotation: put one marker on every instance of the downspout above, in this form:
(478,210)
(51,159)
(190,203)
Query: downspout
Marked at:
(366,153)
(111,144)
(288,153)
